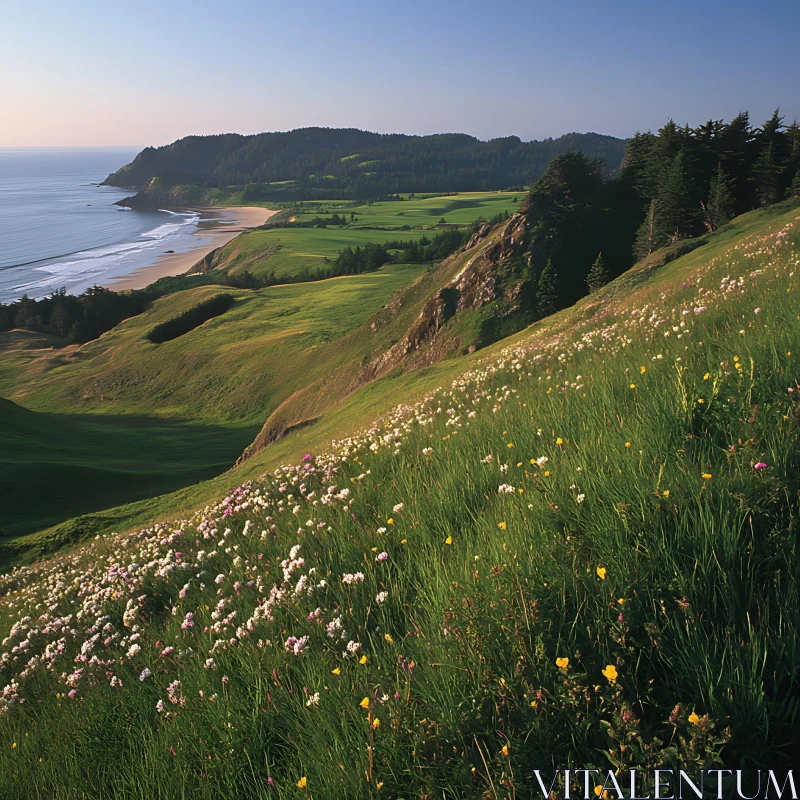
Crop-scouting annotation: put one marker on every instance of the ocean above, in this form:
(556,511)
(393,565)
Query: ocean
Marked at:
(60,229)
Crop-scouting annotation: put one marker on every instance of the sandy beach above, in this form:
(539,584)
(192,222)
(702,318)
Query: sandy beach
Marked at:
(215,230)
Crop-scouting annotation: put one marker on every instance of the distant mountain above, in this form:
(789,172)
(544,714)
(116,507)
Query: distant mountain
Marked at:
(345,162)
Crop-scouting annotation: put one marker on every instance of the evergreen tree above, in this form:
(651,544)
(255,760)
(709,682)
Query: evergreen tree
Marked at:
(676,206)
(766,175)
(598,275)
(547,291)
(720,208)
(645,241)
(59,319)
(794,189)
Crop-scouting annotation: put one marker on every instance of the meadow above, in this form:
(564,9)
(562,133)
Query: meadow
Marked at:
(288,251)
(581,550)
(120,418)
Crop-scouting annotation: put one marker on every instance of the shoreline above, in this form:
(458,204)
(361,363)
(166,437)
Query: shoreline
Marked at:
(210,234)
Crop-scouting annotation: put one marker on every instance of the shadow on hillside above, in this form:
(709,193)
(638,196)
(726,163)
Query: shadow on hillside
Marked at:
(57,466)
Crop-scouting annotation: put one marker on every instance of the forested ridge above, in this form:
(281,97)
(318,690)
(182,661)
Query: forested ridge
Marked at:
(350,163)
(587,227)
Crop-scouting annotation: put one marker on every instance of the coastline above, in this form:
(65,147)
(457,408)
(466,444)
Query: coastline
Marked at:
(213,232)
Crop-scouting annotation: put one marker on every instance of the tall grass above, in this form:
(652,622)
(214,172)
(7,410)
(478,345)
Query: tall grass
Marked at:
(583,552)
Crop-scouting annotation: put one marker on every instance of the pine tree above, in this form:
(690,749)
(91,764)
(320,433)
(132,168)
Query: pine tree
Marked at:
(645,241)
(794,190)
(765,175)
(598,275)
(720,208)
(676,202)
(58,320)
(547,290)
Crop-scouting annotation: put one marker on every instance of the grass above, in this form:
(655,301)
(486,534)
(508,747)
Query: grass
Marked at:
(121,418)
(287,251)
(581,552)
(201,394)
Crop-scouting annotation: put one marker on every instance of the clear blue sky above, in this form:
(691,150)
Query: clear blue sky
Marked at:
(143,72)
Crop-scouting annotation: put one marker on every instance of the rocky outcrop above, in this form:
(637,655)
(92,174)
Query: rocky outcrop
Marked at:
(474,286)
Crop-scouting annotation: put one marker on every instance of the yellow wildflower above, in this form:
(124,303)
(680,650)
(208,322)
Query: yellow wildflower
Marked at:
(362,660)
(706,376)
(562,663)
(403,541)
(502,526)
(510,445)
(376,723)
(693,718)
(559,440)
(337,671)
(390,521)
(448,540)
(601,573)
(505,750)
(642,370)
(610,672)
(633,386)
(388,638)
(627,444)
(302,783)
(665,493)
(547,473)
(364,703)
(706,476)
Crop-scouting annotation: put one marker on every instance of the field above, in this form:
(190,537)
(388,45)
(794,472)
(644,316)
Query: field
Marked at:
(287,251)
(121,418)
(581,550)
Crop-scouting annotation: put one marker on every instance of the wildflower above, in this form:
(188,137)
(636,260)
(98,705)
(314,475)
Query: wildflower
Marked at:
(580,498)
(627,444)
(610,672)
(601,573)
(665,493)
(760,465)
(388,638)
(380,597)
(505,750)
(160,706)
(145,674)
(376,723)
(403,541)
(364,703)
(362,660)
(510,445)
(313,701)
(448,540)
(336,671)
(633,386)
(502,526)
(642,370)
(390,521)
(562,663)
(398,508)
(559,440)
(693,718)
(302,783)
(706,376)
(382,557)
(706,476)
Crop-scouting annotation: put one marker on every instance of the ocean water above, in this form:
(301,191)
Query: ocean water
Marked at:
(60,229)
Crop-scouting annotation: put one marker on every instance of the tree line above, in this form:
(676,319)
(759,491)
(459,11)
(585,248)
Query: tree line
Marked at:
(353,164)
(586,227)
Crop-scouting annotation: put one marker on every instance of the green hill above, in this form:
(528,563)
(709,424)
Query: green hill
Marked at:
(321,162)
(575,546)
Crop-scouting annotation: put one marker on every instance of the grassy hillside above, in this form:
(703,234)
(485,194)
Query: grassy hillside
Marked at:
(122,400)
(288,251)
(582,551)
(197,401)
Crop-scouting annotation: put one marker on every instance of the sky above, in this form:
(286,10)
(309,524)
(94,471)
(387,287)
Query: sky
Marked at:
(87,73)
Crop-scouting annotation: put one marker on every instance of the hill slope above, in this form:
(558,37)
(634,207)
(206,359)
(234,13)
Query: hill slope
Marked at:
(581,551)
(345,162)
